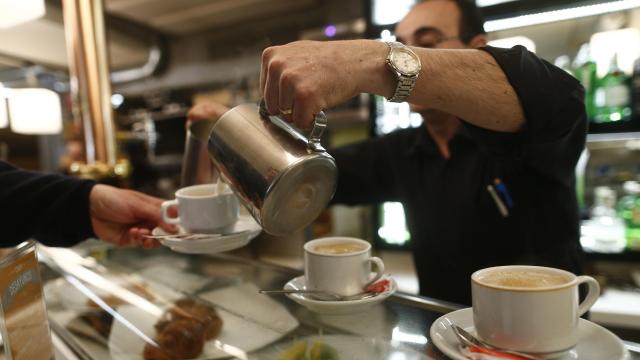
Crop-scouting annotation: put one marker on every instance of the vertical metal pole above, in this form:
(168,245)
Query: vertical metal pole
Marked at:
(89,73)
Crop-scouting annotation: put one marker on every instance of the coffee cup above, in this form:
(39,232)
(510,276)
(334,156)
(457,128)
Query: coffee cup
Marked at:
(341,265)
(207,208)
(530,309)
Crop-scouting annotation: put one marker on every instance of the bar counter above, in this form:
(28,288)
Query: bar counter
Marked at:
(85,288)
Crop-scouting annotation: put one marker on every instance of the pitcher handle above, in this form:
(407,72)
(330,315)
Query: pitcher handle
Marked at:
(319,124)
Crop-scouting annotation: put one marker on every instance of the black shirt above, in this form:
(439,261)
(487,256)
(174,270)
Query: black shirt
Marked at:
(455,224)
(52,208)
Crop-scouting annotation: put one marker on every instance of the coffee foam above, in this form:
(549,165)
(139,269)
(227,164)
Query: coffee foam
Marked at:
(339,248)
(523,279)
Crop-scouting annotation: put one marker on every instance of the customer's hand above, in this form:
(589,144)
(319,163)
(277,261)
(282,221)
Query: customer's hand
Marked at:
(306,77)
(124,217)
(206,111)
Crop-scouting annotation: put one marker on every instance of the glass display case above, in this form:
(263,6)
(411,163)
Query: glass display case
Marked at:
(106,303)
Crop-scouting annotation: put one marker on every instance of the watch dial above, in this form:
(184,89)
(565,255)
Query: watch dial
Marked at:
(406,63)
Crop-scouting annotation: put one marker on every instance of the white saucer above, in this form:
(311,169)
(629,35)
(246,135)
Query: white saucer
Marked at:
(594,341)
(244,230)
(335,307)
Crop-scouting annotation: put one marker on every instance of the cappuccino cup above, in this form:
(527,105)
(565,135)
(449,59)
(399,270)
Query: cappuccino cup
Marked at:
(203,209)
(529,309)
(341,265)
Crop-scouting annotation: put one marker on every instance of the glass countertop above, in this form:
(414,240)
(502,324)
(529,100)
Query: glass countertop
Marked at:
(107,303)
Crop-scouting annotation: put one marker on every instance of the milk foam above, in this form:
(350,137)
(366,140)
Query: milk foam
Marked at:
(523,278)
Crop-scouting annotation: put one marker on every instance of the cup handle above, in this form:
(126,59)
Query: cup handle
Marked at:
(379,269)
(592,294)
(164,212)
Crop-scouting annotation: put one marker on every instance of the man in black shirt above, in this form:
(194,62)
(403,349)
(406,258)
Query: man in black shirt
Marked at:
(489,179)
(60,210)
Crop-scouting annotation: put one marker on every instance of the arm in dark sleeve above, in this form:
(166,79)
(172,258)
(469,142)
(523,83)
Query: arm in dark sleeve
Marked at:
(555,120)
(52,208)
(367,171)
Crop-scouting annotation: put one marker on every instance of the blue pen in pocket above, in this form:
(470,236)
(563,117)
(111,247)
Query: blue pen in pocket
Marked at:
(502,189)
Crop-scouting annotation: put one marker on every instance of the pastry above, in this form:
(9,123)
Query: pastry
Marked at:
(182,331)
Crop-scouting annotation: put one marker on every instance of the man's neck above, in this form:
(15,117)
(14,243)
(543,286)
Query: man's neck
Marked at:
(442,127)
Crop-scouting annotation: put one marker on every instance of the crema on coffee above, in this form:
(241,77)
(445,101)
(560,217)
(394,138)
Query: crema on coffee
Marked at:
(522,278)
(339,248)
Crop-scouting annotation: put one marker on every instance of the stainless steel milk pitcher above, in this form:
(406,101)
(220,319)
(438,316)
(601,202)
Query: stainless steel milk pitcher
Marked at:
(284,179)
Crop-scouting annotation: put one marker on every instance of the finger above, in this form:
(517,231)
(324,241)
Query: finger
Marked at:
(266,56)
(135,237)
(272,92)
(286,89)
(306,107)
(150,244)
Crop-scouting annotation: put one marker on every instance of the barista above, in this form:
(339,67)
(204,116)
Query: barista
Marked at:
(489,179)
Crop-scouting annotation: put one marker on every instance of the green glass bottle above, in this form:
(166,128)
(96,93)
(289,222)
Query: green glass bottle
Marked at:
(585,70)
(613,95)
(629,211)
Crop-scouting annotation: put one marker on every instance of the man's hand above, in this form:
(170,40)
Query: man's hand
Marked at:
(124,217)
(306,77)
(206,111)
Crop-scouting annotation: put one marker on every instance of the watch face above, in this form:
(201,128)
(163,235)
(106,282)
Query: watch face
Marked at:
(406,62)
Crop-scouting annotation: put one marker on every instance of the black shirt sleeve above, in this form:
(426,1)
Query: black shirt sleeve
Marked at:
(367,171)
(52,208)
(555,127)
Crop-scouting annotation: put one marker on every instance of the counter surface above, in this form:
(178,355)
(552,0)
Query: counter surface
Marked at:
(105,302)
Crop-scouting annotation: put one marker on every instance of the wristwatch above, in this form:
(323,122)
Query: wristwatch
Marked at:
(405,65)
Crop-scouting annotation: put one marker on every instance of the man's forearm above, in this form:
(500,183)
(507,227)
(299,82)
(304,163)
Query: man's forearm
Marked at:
(466,83)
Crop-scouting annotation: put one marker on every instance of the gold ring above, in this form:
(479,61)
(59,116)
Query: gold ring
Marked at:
(286,111)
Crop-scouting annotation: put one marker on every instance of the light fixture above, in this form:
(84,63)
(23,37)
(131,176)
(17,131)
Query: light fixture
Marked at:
(385,12)
(15,12)
(330,31)
(483,3)
(560,15)
(34,111)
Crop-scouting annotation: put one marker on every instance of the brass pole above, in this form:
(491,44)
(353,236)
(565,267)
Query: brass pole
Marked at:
(90,85)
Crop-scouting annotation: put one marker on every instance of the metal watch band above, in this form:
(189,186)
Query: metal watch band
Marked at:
(405,83)
(403,89)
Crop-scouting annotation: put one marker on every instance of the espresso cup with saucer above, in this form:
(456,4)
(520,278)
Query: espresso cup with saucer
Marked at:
(205,209)
(341,265)
(530,309)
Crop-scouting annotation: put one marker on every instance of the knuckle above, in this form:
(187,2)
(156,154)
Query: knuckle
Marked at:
(289,77)
(304,93)
(268,53)
(276,66)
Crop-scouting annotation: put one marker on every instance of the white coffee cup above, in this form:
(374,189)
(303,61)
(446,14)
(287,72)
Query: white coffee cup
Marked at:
(202,210)
(530,309)
(344,273)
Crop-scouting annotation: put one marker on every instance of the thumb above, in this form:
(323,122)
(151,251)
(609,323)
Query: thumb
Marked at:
(147,210)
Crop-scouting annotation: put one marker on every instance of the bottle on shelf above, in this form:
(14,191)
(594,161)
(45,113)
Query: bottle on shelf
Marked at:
(613,95)
(635,89)
(629,211)
(605,231)
(585,70)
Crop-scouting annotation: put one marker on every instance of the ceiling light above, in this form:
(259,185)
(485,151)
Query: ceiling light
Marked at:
(483,3)
(15,12)
(35,111)
(560,15)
